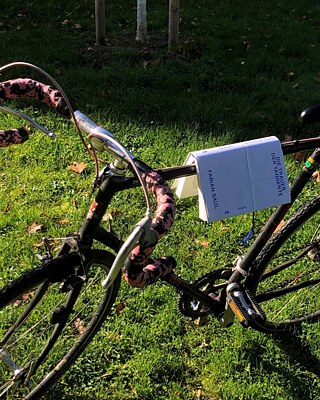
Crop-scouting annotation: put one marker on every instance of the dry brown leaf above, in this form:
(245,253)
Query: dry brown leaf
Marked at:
(204,243)
(25,297)
(120,307)
(52,243)
(224,227)
(114,336)
(111,214)
(34,227)
(64,221)
(39,244)
(199,394)
(79,326)
(316,176)
(77,167)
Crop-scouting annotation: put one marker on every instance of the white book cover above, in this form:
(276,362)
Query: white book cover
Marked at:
(237,178)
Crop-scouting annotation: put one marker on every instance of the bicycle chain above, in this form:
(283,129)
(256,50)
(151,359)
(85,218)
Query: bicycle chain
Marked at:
(207,283)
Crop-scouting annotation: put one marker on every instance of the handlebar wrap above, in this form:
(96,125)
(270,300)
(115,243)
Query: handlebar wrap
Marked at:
(140,269)
(13,136)
(25,87)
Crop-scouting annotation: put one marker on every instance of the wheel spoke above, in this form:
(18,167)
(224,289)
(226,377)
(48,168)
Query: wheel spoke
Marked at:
(27,351)
(288,272)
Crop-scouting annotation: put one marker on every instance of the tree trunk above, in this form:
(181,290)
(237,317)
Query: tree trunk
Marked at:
(100,17)
(173,31)
(141,21)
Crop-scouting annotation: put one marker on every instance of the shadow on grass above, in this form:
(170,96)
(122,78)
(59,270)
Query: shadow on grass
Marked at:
(297,364)
(216,81)
(300,352)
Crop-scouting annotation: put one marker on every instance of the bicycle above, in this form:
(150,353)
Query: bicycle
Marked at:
(272,298)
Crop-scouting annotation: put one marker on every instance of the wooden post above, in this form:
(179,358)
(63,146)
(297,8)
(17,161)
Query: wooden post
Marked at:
(141,35)
(100,17)
(173,30)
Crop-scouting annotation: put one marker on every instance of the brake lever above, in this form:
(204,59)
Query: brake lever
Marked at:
(20,114)
(125,250)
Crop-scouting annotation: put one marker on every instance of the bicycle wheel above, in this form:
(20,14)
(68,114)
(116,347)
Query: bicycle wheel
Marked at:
(26,371)
(286,275)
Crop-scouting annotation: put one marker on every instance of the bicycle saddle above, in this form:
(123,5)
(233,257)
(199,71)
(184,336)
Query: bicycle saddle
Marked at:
(310,115)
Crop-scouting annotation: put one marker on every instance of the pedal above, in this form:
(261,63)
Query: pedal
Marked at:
(255,305)
(243,305)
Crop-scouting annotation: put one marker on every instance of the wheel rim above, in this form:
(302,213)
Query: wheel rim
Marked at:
(292,295)
(22,348)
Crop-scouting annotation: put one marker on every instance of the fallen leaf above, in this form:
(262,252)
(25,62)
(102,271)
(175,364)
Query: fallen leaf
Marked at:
(203,243)
(120,307)
(34,227)
(64,221)
(204,344)
(224,227)
(78,168)
(53,242)
(79,326)
(36,245)
(111,214)
(115,336)
(316,176)
(199,394)
(25,297)
(297,279)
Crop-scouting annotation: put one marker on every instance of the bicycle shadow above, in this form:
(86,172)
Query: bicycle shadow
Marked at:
(299,351)
(299,357)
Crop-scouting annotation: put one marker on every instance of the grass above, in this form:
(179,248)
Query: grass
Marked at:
(239,73)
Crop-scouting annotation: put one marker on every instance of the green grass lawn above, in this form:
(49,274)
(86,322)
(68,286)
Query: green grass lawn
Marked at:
(242,71)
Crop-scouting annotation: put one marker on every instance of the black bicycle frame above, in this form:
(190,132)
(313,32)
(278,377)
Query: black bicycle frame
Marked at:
(91,229)
(301,180)
(111,185)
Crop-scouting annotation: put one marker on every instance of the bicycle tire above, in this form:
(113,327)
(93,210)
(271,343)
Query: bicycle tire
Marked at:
(290,294)
(88,314)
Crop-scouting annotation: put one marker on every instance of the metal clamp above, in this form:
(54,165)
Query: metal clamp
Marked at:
(238,268)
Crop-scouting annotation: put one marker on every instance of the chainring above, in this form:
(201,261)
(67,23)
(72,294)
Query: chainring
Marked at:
(211,284)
